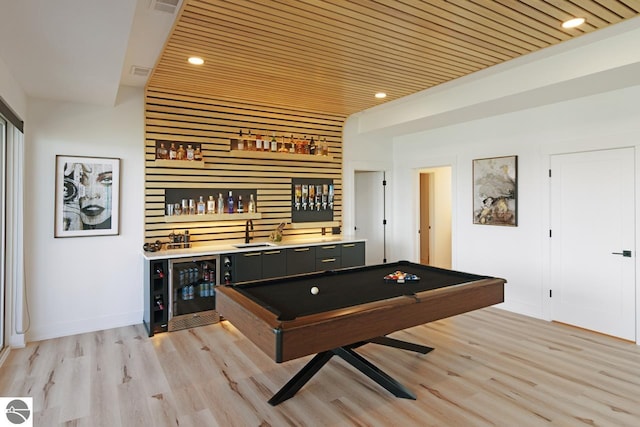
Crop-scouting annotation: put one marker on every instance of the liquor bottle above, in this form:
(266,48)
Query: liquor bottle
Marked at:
(258,141)
(252,204)
(305,195)
(173,153)
(182,153)
(240,205)
(240,141)
(197,154)
(312,196)
(274,143)
(220,204)
(161,152)
(292,146)
(318,196)
(192,207)
(230,203)
(190,152)
(211,205)
(319,147)
(305,145)
(312,146)
(250,142)
(159,302)
(201,207)
(159,272)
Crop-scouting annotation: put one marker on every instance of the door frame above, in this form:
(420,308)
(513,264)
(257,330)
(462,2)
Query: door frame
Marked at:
(434,233)
(578,146)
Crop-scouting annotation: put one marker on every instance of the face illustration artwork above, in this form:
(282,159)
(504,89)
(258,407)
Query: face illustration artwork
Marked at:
(95,200)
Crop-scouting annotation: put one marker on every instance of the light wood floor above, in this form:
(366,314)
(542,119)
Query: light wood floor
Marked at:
(490,367)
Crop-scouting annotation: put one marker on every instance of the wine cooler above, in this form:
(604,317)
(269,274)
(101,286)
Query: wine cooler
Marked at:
(192,283)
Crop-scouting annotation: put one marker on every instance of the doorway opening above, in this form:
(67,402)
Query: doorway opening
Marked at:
(434,228)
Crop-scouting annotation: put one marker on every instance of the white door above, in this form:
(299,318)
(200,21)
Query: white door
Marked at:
(592,228)
(369,214)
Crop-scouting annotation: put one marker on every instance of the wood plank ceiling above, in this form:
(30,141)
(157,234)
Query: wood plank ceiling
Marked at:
(332,56)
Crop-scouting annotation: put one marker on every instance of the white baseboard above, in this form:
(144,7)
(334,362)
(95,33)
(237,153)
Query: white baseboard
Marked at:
(81,326)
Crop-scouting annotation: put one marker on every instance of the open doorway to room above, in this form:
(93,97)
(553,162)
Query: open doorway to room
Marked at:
(370,214)
(434,228)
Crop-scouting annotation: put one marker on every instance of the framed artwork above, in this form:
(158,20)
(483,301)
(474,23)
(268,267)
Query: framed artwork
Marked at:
(495,191)
(87,196)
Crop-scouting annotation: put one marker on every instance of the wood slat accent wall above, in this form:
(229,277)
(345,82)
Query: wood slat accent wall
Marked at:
(190,118)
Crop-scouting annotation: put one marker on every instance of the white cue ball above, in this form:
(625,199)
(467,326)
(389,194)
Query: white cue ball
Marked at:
(315,290)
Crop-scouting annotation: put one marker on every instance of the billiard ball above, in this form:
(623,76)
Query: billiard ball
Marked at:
(315,290)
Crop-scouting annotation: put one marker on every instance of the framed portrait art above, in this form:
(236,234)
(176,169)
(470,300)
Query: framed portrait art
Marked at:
(87,196)
(495,191)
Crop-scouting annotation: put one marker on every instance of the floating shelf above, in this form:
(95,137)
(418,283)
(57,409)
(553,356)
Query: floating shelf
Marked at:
(278,155)
(322,224)
(179,163)
(213,217)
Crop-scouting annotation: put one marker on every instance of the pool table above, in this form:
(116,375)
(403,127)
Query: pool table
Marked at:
(287,319)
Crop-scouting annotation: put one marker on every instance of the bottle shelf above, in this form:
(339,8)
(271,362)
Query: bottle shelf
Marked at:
(179,163)
(322,224)
(212,217)
(276,155)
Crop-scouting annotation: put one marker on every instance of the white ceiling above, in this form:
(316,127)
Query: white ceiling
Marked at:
(80,50)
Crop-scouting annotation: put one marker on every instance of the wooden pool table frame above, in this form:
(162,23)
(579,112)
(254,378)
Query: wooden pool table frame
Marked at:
(338,332)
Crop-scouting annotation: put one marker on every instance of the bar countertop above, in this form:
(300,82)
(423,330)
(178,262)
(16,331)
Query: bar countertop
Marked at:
(253,246)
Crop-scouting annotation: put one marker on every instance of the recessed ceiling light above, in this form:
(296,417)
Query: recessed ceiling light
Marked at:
(195,60)
(381,95)
(572,23)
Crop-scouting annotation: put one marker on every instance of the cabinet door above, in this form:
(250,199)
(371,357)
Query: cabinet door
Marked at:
(301,260)
(353,254)
(274,263)
(328,263)
(328,251)
(247,266)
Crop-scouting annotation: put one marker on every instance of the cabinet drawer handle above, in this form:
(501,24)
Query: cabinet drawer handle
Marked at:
(252,254)
(302,250)
(329,247)
(350,245)
(329,260)
(271,252)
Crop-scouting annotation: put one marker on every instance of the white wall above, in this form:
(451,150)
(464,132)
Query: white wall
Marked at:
(591,102)
(11,91)
(85,283)
(516,253)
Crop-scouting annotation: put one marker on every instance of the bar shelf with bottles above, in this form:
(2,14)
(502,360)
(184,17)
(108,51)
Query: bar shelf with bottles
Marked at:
(175,155)
(156,309)
(272,147)
(183,205)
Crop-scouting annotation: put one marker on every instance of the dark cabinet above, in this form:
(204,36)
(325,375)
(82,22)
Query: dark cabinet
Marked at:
(328,257)
(301,260)
(352,254)
(247,266)
(156,295)
(274,263)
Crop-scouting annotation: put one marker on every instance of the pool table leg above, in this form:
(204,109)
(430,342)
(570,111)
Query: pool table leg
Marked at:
(372,371)
(301,378)
(404,345)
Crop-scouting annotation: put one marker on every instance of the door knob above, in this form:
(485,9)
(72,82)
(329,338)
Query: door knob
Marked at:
(623,253)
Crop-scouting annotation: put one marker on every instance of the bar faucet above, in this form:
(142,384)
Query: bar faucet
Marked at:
(248,224)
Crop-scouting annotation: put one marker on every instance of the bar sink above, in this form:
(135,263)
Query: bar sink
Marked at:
(253,245)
